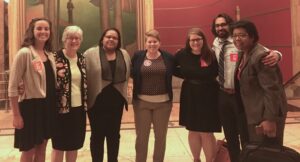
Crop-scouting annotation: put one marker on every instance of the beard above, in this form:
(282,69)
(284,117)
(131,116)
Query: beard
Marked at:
(223,34)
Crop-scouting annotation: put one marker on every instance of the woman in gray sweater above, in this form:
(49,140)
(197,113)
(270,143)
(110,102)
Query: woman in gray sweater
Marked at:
(107,69)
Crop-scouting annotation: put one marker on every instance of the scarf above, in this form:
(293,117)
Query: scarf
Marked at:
(120,70)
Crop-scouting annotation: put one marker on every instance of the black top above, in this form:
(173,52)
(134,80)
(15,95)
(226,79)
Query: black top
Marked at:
(50,99)
(110,97)
(199,93)
(137,62)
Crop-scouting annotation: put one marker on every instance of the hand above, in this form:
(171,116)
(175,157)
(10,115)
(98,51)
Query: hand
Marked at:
(61,73)
(21,88)
(269,128)
(18,122)
(271,59)
(59,65)
(60,69)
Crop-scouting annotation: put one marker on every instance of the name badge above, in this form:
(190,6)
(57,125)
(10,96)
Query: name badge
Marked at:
(234,57)
(37,65)
(203,63)
(147,62)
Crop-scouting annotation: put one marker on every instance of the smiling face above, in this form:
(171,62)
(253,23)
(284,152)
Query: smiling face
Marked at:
(242,40)
(196,43)
(152,44)
(110,40)
(41,31)
(222,28)
(73,41)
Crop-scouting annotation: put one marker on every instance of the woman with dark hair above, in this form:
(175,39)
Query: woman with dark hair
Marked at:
(197,65)
(260,87)
(108,71)
(34,108)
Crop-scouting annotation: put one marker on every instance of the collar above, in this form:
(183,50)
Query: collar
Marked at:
(222,41)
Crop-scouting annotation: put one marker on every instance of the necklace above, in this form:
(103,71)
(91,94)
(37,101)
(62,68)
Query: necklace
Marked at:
(151,57)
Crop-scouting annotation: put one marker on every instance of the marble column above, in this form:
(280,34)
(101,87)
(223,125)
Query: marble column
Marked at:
(145,20)
(17,26)
(295,13)
(1,37)
(3,80)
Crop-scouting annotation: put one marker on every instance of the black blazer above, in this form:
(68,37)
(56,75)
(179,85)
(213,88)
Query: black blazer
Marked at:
(137,61)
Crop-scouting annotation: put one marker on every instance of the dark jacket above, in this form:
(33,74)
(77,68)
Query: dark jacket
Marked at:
(260,88)
(137,61)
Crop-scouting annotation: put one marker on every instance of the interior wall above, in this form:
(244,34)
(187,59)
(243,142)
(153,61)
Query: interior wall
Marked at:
(273,21)
(272,18)
(295,11)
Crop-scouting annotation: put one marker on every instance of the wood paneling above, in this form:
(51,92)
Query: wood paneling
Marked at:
(272,18)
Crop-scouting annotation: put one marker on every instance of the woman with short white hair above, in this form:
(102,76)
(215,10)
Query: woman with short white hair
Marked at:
(72,95)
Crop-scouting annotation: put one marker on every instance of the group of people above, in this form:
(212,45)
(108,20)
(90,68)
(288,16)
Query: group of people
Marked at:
(235,84)
(51,93)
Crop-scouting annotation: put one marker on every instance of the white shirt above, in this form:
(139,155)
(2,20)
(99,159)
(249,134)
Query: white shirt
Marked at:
(230,60)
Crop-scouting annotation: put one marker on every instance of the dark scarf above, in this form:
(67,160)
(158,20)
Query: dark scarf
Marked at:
(120,70)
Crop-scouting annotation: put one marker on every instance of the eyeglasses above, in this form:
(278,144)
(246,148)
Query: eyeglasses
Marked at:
(241,36)
(196,40)
(74,38)
(220,25)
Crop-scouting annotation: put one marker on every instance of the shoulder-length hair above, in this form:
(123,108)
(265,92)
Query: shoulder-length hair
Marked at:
(29,35)
(104,33)
(206,51)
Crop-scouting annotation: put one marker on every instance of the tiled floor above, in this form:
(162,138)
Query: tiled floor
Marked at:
(177,146)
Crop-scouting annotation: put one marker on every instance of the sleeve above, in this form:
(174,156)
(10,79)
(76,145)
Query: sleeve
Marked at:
(133,59)
(127,60)
(278,52)
(270,80)
(177,68)
(17,71)
(87,55)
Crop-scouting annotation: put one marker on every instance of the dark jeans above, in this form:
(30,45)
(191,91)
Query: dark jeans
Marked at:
(105,124)
(234,123)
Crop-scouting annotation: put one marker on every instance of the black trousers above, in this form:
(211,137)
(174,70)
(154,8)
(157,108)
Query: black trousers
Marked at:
(234,123)
(105,125)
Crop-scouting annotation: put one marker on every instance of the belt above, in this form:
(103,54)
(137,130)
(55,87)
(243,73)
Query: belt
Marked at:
(228,90)
(198,82)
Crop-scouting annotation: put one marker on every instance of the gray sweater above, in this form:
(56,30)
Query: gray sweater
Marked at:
(95,83)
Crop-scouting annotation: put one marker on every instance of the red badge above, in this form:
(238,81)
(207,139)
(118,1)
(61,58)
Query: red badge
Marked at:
(37,65)
(234,57)
(203,63)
